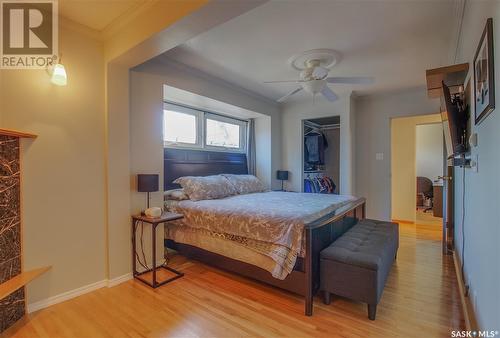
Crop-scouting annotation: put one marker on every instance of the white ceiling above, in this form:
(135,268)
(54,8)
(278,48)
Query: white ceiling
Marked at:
(393,41)
(97,14)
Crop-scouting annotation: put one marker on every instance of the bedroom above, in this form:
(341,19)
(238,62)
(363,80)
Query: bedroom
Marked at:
(97,133)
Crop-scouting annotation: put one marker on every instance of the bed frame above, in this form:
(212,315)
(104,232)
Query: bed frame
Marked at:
(304,279)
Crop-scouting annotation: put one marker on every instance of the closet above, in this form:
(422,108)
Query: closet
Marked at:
(321,155)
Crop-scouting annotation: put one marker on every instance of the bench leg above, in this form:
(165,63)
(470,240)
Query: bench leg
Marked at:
(327,297)
(372,311)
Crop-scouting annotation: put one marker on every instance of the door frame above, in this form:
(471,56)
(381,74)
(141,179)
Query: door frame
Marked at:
(448,209)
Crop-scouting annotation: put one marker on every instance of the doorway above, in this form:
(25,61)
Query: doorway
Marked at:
(321,155)
(429,172)
(417,152)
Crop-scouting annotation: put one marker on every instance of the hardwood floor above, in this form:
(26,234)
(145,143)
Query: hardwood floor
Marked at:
(427,218)
(420,299)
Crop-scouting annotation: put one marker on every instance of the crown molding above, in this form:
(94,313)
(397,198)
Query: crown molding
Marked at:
(79,28)
(113,27)
(457,16)
(393,92)
(129,15)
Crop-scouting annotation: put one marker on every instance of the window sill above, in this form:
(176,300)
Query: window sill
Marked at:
(215,149)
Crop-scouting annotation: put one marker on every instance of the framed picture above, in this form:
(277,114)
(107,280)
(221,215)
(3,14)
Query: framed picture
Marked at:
(484,76)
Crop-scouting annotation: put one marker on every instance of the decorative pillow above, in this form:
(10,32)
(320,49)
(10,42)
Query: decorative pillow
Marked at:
(176,195)
(246,184)
(206,187)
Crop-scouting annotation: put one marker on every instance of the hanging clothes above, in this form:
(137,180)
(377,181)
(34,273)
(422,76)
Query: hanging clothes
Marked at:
(307,186)
(321,185)
(314,148)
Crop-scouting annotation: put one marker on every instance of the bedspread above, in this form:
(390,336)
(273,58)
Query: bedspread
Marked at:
(270,223)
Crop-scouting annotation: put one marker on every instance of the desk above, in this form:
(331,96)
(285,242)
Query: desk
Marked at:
(437,208)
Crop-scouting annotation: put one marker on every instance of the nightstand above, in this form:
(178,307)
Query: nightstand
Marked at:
(154,222)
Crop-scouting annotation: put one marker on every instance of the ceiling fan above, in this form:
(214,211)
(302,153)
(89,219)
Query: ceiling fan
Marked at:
(314,66)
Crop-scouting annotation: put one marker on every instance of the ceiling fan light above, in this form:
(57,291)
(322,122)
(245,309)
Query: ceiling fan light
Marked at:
(319,73)
(313,86)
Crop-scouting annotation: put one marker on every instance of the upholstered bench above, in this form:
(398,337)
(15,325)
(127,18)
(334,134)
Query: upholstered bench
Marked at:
(357,264)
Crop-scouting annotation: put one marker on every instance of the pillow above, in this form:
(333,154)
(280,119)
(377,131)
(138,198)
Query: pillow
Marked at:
(206,187)
(245,184)
(176,195)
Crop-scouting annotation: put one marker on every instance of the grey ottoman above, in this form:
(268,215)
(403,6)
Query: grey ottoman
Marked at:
(357,264)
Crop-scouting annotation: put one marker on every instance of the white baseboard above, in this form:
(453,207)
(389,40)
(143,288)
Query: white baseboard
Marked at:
(65,296)
(471,323)
(119,280)
(77,292)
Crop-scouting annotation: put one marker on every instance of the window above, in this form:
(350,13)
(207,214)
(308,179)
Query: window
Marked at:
(222,134)
(181,126)
(225,132)
(185,127)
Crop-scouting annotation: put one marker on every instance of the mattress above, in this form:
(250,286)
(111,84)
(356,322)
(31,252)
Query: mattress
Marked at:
(269,223)
(216,243)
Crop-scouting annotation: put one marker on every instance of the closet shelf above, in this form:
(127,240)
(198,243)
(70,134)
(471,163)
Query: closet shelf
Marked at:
(17,282)
(16,133)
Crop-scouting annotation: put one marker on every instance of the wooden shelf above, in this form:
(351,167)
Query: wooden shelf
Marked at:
(16,133)
(453,76)
(20,280)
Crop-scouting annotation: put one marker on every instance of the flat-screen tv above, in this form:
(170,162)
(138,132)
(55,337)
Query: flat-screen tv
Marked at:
(454,119)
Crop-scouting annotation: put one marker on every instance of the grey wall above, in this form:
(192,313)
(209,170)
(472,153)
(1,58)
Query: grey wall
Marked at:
(293,114)
(263,158)
(146,132)
(373,135)
(482,188)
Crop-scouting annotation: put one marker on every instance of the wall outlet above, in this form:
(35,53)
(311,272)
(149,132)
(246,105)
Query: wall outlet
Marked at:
(379,156)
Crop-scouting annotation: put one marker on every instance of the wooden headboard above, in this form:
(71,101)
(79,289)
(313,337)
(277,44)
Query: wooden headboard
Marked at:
(181,162)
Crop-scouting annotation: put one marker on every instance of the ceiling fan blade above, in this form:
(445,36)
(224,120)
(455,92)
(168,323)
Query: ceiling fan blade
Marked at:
(288,81)
(319,72)
(283,98)
(351,80)
(329,94)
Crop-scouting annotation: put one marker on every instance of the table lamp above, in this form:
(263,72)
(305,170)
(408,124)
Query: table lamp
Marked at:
(283,176)
(147,183)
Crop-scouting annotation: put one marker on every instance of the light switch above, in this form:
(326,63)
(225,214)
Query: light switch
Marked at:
(379,156)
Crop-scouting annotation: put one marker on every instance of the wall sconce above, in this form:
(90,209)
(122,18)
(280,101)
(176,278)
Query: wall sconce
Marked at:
(58,74)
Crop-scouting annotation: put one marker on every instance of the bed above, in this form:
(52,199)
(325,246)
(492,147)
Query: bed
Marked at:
(273,237)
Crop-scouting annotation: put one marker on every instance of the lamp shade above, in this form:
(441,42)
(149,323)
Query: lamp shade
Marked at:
(282,175)
(147,182)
